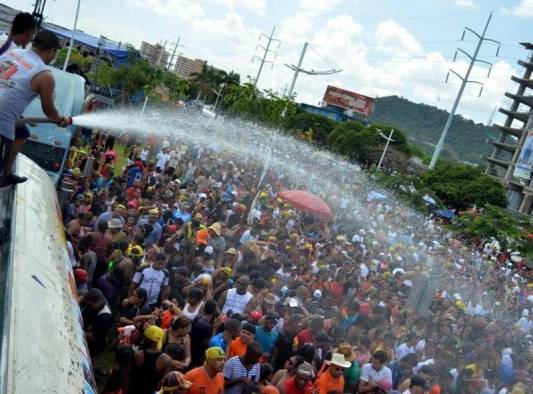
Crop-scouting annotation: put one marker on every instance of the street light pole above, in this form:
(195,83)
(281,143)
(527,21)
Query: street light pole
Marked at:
(389,139)
(298,69)
(69,51)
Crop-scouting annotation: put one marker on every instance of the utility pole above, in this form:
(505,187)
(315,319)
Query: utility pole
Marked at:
(389,139)
(161,53)
(219,94)
(176,45)
(71,42)
(297,69)
(465,80)
(266,51)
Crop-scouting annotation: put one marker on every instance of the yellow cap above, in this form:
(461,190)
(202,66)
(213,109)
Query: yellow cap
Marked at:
(155,334)
(214,353)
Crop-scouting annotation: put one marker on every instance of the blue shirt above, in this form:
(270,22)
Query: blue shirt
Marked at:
(266,339)
(218,340)
(133,174)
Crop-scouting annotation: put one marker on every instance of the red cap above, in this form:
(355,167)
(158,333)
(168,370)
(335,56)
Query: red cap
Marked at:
(172,229)
(81,275)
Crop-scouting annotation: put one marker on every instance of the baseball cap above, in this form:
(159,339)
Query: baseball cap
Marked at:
(214,352)
(81,275)
(208,250)
(317,293)
(305,369)
(248,327)
(155,334)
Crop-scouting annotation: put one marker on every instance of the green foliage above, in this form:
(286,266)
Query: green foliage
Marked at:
(319,126)
(423,124)
(498,223)
(366,145)
(242,99)
(211,79)
(104,76)
(76,57)
(462,186)
(248,102)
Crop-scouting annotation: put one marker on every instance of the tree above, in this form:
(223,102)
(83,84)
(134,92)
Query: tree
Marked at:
(82,59)
(461,186)
(210,79)
(243,100)
(495,222)
(319,126)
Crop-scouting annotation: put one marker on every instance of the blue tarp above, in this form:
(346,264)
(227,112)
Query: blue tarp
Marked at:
(373,195)
(445,213)
(117,51)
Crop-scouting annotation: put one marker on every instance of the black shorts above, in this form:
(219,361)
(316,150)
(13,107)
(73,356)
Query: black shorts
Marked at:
(22,131)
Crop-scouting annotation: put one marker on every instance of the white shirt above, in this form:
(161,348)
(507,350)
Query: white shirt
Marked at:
(403,350)
(144,154)
(246,237)
(367,373)
(152,281)
(162,159)
(4,36)
(364,270)
(525,325)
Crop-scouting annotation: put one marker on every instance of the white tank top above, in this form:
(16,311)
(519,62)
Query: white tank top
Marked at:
(236,302)
(192,314)
(17,69)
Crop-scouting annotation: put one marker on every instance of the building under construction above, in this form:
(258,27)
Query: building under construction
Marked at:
(156,54)
(512,158)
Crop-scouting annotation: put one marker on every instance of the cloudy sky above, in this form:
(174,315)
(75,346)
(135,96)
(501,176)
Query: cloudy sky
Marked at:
(384,47)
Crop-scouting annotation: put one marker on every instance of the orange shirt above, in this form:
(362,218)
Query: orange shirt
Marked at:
(202,384)
(326,383)
(236,348)
(269,389)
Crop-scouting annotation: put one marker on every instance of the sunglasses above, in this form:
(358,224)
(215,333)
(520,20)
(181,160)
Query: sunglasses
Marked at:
(340,369)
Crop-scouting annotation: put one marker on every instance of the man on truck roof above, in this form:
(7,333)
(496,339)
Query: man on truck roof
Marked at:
(24,74)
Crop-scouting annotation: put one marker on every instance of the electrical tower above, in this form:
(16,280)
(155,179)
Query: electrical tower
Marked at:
(298,69)
(465,80)
(266,51)
(176,46)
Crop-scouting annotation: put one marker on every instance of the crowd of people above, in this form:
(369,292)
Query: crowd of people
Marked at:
(199,290)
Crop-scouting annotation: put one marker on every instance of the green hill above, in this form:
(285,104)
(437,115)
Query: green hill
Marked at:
(422,124)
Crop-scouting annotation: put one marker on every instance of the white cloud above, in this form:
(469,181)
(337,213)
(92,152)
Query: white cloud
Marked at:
(524,9)
(318,6)
(465,3)
(395,39)
(257,6)
(184,10)
(117,32)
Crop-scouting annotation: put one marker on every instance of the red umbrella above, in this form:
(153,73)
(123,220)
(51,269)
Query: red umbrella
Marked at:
(307,202)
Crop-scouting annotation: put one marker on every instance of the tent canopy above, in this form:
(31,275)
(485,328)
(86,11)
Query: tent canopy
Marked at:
(118,51)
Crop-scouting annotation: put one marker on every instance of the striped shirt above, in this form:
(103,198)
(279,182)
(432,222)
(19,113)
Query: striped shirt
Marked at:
(234,369)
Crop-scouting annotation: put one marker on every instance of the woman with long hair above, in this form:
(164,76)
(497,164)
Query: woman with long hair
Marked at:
(177,343)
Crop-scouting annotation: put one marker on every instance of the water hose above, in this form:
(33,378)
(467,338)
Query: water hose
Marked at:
(40,120)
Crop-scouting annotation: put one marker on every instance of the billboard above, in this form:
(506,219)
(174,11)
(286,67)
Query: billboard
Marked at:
(352,101)
(524,164)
